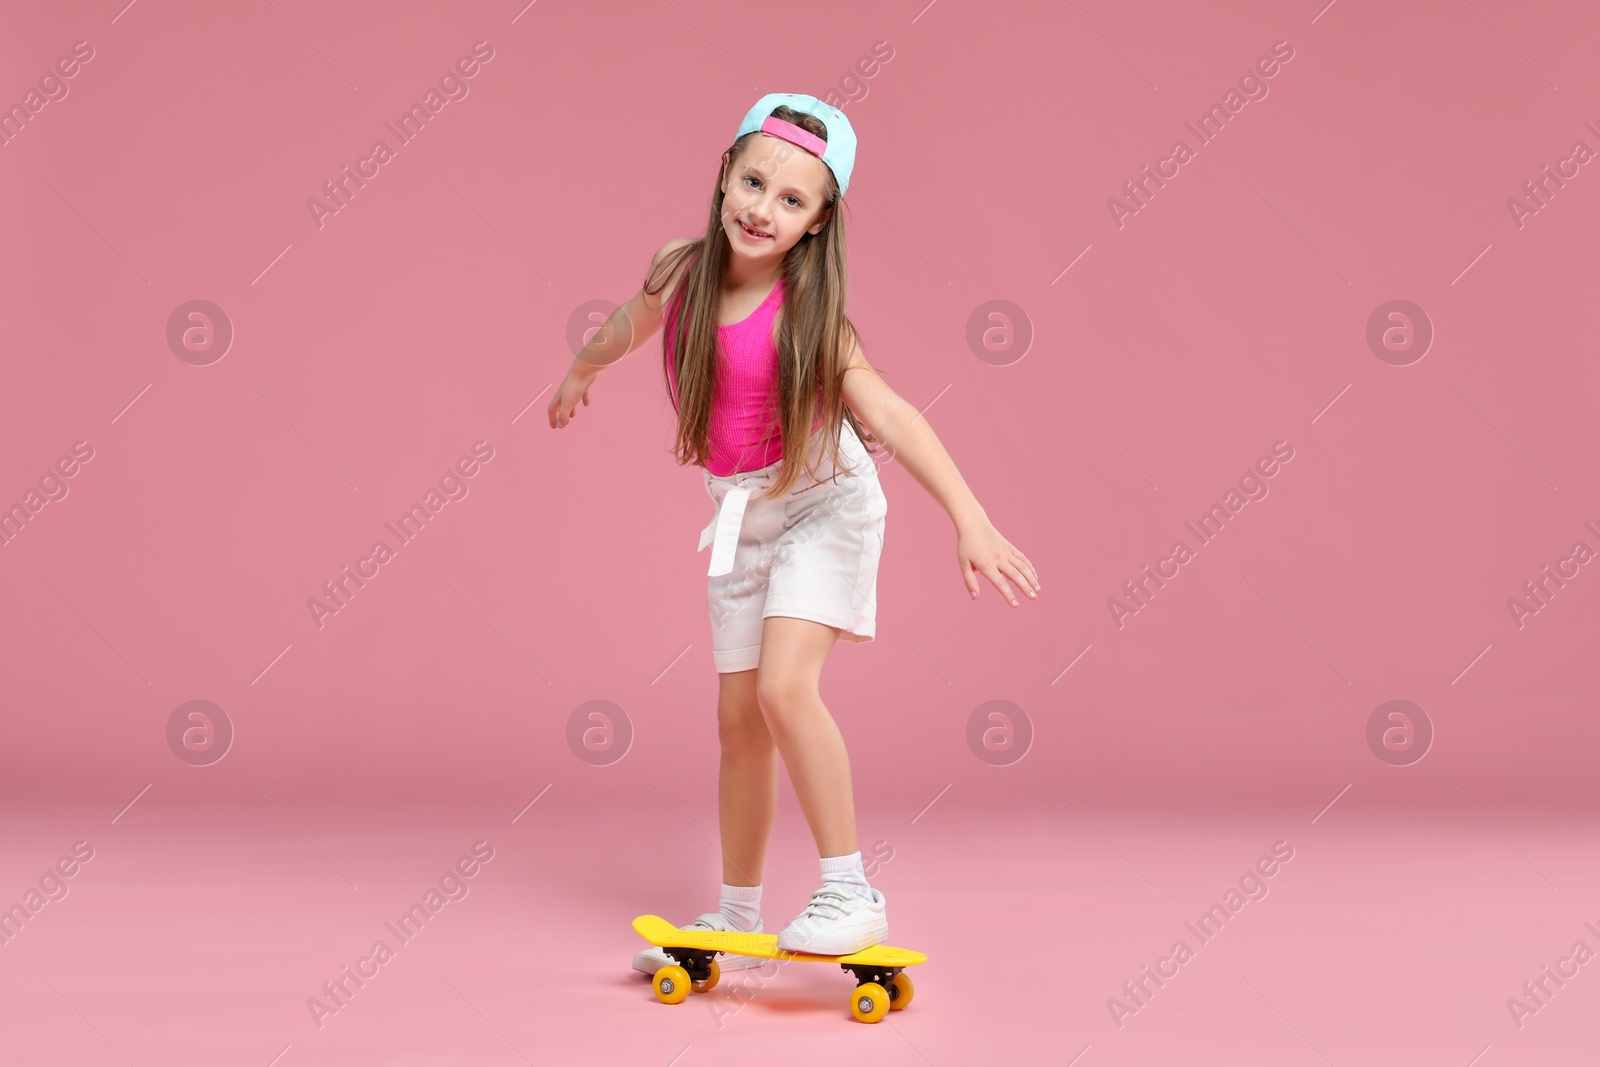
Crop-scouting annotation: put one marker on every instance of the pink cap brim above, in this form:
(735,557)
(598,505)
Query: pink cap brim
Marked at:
(790,132)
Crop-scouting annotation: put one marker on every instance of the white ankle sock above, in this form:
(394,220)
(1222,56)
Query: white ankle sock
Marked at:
(846,871)
(741,905)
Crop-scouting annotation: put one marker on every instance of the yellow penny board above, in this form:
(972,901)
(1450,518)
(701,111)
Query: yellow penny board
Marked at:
(659,932)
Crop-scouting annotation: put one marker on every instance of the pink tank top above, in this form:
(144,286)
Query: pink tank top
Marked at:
(744,432)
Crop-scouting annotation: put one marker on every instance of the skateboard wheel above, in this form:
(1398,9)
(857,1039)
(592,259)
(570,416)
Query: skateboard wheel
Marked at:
(870,1002)
(900,991)
(716,972)
(671,984)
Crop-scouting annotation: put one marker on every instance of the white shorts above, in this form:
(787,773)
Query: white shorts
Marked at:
(811,555)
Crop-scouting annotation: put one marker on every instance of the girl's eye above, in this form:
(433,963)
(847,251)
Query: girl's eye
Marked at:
(756,183)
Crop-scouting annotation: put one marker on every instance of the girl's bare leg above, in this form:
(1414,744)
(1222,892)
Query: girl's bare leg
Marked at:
(788,691)
(747,783)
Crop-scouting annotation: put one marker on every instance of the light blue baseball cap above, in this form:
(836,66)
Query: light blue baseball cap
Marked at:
(838,151)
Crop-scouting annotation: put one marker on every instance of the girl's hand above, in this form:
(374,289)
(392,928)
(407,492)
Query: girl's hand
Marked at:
(981,550)
(574,387)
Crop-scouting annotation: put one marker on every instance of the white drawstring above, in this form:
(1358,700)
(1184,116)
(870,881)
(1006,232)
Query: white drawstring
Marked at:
(723,530)
(723,533)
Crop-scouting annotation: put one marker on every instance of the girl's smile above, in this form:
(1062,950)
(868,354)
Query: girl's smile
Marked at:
(753,233)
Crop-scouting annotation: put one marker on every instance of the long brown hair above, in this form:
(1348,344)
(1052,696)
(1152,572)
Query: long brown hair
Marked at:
(812,337)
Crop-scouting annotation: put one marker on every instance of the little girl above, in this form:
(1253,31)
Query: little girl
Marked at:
(775,400)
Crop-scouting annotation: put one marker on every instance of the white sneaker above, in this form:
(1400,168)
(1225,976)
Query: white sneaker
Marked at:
(653,959)
(837,922)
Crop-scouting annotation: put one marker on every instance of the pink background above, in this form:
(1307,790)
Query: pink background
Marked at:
(433,312)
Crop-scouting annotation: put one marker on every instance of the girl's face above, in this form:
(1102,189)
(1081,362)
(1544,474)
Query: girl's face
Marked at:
(771,195)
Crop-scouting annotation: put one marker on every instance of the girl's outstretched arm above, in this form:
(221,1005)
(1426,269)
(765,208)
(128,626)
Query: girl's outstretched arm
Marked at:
(624,330)
(979,547)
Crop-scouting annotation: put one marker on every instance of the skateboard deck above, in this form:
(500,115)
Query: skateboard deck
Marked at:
(881,987)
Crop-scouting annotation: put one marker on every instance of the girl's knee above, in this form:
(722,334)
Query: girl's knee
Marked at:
(747,733)
(781,694)
(740,723)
